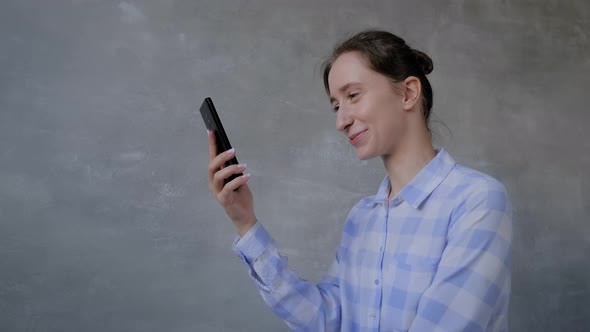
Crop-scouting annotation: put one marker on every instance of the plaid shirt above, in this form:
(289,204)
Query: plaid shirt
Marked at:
(436,257)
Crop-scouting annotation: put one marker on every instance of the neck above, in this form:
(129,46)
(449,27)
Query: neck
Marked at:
(406,162)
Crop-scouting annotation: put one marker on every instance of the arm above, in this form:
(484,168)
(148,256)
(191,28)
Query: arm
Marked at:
(471,288)
(301,304)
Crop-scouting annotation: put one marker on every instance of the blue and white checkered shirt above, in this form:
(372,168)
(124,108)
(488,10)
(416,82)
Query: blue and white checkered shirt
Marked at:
(436,257)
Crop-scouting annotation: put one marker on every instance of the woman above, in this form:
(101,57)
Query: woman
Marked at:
(429,252)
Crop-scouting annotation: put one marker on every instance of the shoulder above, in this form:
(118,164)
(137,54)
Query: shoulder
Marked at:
(478,196)
(467,184)
(360,212)
(361,207)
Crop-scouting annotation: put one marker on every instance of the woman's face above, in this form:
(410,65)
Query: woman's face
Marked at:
(369,111)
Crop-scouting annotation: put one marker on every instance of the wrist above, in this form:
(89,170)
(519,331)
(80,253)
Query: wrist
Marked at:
(244,228)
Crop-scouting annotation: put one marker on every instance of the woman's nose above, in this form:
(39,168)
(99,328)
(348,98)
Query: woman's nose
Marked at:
(343,119)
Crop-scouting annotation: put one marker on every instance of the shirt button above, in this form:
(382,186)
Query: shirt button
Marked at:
(376,281)
(381,248)
(372,316)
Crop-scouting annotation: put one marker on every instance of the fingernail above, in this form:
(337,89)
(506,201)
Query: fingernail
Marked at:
(231,151)
(247,175)
(242,166)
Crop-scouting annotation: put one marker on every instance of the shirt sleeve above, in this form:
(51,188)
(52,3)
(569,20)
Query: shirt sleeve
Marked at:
(471,288)
(303,305)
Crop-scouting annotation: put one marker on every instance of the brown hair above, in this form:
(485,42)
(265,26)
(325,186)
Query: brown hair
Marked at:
(388,55)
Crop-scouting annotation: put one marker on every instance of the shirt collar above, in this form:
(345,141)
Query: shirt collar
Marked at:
(423,183)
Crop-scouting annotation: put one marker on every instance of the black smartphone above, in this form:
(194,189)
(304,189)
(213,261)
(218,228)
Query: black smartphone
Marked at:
(213,123)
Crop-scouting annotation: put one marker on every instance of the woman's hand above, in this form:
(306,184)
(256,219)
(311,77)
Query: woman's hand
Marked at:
(239,204)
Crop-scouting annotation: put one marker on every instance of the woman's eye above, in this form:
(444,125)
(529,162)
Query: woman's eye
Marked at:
(352,95)
(336,108)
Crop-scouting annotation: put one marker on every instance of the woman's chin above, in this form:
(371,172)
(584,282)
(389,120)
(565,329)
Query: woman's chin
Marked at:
(363,155)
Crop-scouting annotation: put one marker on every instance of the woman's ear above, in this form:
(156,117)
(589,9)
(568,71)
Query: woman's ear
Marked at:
(411,92)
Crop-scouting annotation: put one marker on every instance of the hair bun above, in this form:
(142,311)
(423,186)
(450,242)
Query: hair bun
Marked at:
(424,62)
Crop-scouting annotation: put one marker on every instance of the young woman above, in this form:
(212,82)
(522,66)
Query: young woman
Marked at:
(429,252)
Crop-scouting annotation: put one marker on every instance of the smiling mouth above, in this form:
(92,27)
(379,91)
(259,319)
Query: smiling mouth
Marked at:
(356,137)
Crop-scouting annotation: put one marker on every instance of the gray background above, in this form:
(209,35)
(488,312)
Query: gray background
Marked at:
(106,223)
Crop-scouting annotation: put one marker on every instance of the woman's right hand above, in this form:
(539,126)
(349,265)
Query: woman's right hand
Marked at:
(239,204)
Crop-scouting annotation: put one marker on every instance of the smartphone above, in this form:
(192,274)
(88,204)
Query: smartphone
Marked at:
(213,123)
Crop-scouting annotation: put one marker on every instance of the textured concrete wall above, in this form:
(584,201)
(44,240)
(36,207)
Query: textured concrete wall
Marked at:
(106,223)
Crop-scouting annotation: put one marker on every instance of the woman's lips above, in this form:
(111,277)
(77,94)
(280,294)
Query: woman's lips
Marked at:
(357,137)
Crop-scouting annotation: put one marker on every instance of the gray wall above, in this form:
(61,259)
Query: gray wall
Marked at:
(106,223)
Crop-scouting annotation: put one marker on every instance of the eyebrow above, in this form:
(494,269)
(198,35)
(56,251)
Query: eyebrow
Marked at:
(344,88)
